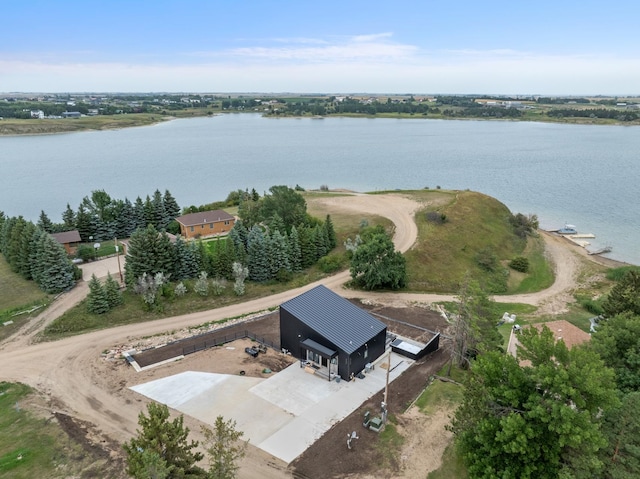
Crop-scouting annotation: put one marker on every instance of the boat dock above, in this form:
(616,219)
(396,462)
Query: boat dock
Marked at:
(579,239)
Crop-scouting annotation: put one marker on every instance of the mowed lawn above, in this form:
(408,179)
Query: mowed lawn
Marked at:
(16,292)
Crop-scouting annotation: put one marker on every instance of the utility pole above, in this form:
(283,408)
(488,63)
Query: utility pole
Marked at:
(115,242)
(386,391)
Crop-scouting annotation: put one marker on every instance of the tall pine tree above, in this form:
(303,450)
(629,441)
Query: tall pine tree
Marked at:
(257,255)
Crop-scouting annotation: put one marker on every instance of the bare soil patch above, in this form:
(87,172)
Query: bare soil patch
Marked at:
(329,456)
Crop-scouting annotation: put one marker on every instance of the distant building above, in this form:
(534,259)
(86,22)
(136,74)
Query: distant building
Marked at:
(205,223)
(71,114)
(69,239)
(39,114)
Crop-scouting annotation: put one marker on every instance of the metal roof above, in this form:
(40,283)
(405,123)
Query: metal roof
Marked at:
(334,318)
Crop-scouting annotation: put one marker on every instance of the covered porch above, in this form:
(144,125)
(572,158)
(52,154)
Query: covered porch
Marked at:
(319,359)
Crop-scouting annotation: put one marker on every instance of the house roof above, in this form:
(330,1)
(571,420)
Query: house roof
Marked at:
(204,217)
(67,237)
(570,334)
(334,318)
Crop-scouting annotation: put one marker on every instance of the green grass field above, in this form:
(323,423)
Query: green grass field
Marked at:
(17,296)
(37,447)
(475,224)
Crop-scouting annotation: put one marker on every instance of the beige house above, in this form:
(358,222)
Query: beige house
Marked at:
(205,223)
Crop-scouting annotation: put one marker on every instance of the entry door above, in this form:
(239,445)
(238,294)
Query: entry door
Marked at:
(313,357)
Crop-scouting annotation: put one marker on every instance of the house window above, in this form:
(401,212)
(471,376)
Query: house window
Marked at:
(192,229)
(366,351)
(226,222)
(210,226)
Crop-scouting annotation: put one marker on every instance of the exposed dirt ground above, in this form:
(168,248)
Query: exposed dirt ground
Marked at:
(81,384)
(328,457)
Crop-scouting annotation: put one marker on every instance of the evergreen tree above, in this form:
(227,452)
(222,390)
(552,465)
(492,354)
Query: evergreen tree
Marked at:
(168,440)
(36,266)
(149,213)
(149,252)
(14,243)
(278,254)
(26,250)
(160,216)
(257,255)
(239,233)
(123,211)
(186,263)
(5,235)
(44,222)
(170,206)
(112,292)
(56,272)
(320,241)
(97,300)
(3,222)
(83,223)
(276,224)
(139,218)
(330,233)
(308,251)
(204,259)
(295,255)
(224,448)
(69,219)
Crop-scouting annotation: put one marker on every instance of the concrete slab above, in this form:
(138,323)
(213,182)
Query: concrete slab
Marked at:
(284,414)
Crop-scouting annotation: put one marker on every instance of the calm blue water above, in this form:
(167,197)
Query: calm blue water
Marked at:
(584,175)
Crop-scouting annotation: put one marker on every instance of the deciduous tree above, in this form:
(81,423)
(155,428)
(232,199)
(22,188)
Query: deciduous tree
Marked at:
(376,264)
(617,341)
(624,296)
(538,421)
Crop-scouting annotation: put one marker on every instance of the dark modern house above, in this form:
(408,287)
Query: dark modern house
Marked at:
(331,334)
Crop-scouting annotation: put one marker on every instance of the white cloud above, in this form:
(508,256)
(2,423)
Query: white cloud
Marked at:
(369,63)
(374,47)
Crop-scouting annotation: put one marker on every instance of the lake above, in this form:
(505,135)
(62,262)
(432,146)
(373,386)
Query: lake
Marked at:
(581,174)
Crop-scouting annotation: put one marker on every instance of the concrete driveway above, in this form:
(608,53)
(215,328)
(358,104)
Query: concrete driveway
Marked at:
(102,268)
(283,414)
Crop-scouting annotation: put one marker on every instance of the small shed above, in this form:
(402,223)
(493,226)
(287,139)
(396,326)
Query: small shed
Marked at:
(69,239)
(330,334)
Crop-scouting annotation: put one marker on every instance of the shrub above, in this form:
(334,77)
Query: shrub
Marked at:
(519,263)
(487,260)
(202,284)
(324,188)
(331,263)
(436,217)
(218,285)
(592,305)
(180,289)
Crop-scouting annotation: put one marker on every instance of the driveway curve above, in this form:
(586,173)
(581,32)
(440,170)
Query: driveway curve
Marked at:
(68,370)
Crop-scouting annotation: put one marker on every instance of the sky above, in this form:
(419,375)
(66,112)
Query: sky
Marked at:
(561,47)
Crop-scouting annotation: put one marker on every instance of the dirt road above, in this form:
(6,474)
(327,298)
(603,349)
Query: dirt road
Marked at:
(68,370)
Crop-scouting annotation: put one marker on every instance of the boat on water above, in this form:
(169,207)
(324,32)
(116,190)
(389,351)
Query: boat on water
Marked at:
(568,230)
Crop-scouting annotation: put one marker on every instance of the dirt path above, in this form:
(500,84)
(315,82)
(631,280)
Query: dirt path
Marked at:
(70,373)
